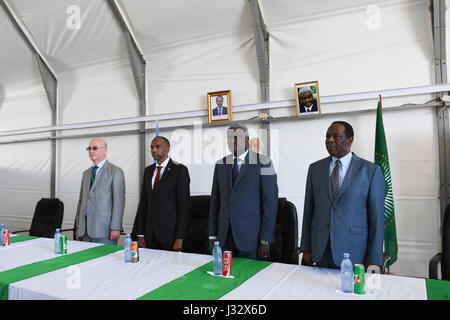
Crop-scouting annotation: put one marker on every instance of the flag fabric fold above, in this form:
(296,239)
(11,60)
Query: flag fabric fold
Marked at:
(382,159)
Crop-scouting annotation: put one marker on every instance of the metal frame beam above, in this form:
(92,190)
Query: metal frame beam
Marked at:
(261,37)
(49,81)
(440,59)
(138,66)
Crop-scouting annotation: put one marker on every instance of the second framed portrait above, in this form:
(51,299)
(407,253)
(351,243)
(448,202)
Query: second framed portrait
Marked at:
(308,100)
(219,106)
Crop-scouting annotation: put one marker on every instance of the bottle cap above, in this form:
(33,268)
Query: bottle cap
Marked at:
(346,255)
(58,230)
(128,235)
(216,243)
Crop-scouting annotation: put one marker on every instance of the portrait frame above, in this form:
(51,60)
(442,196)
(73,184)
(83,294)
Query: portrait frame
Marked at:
(213,116)
(313,86)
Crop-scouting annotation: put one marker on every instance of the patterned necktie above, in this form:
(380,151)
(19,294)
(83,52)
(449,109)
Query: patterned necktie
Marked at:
(235,170)
(155,184)
(93,173)
(334,180)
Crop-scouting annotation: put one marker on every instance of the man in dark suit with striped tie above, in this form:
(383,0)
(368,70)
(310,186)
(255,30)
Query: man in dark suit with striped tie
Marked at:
(162,216)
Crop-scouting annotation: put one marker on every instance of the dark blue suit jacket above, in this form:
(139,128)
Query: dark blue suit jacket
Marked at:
(250,206)
(354,222)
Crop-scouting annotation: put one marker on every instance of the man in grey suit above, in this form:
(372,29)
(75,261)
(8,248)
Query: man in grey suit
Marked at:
(102,198)
(244,199)
(344,206)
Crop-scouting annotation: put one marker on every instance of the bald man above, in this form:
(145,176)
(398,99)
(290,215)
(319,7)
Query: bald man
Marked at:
(102,198)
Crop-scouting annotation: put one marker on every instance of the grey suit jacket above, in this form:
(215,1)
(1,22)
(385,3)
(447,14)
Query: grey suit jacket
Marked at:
(103,204)
(354,222)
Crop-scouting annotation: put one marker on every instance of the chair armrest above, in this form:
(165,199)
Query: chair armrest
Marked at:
(71,229)
(433,266)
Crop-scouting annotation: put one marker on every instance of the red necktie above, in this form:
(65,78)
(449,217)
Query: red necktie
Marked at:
(155,184)
(220,111)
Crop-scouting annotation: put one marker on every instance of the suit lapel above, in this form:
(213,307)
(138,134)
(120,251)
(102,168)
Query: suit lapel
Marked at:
(100,174)
(244,168)
(165,175)
(352,169)
(228,165)
(325,170)
(151,170)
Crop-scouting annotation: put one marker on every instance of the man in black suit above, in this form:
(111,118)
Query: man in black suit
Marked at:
(220,110)
(162,216)
(307,101)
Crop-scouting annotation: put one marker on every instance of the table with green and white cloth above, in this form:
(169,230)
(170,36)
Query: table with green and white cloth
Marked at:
(30,270)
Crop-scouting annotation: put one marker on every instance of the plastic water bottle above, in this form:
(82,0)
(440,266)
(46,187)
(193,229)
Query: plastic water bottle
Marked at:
(347,274)
(2,227)
(217,259)
(56,241)
(127,248)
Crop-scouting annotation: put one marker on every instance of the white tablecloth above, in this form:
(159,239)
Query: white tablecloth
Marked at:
(291,282)
(108,277)
(30,251)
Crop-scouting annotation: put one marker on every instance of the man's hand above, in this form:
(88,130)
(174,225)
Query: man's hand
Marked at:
(264,252)
(307,259)
(76,235)
(178,245)
(114,234)
(141,242)
(211,244)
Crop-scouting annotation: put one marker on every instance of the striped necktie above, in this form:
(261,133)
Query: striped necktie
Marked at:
(334,180)
(93,173)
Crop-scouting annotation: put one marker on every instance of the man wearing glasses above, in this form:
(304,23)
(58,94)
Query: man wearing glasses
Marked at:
(102,198)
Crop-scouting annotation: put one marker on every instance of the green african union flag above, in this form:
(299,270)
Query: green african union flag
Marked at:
(382,159)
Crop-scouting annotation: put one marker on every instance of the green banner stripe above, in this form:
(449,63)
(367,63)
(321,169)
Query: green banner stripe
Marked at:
(21,238)
(199,285)
(35,269)
(438,289)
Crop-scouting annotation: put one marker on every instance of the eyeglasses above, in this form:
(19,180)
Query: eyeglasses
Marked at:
(93,148)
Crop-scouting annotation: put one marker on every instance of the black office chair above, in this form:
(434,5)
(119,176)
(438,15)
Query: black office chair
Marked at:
(285,249)
(444,256)
(198,230)
(47,217)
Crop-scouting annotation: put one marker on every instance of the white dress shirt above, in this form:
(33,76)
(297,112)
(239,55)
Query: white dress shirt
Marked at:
(99,166)
(163,167)
(345,163)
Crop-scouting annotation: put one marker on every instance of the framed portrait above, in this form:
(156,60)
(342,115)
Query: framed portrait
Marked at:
(308,100)
(219,106)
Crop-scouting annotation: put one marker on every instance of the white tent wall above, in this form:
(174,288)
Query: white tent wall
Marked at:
(202,46)
(25,178)
(216,52)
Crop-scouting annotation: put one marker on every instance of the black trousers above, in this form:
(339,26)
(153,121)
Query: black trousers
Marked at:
(155,244)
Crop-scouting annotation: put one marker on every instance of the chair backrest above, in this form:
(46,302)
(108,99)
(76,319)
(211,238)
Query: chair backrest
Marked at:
(198,230)
(445,263)
(48,216)
(284,249)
